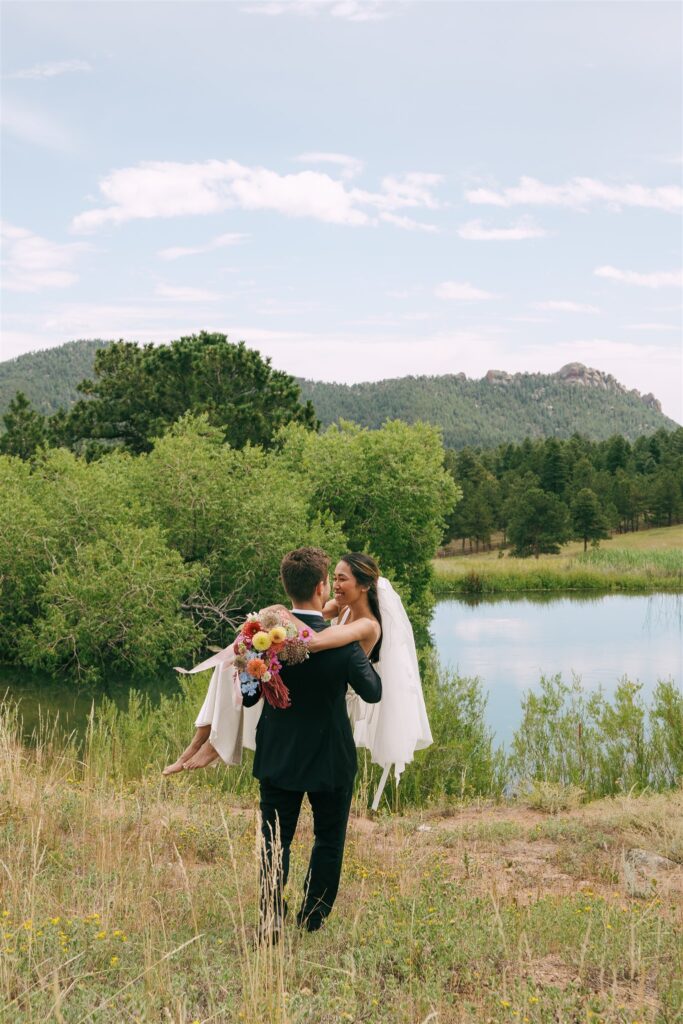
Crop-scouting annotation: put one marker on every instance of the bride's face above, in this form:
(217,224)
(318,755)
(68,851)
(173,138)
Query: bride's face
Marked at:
(346,587)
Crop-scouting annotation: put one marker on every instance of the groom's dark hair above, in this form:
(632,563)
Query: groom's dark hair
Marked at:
(302,570)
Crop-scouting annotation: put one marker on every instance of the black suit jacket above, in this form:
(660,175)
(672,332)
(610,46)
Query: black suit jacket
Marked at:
(309,746)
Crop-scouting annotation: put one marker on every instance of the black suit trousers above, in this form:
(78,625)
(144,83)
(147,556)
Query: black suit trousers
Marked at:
(280,810)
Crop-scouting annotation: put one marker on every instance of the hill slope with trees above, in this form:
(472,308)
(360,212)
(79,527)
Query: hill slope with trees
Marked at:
(48,378)
(498,408)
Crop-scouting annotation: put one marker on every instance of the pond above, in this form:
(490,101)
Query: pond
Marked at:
(510,642)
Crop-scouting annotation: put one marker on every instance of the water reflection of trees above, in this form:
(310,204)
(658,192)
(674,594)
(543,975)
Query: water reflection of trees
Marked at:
(663,611)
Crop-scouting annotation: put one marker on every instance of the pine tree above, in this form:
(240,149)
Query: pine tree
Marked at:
(588,520)
(24,428)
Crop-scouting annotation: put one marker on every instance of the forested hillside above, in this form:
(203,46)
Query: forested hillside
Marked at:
(496,409)
(48,378)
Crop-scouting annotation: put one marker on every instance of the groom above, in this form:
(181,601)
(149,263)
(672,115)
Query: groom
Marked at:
(308,748)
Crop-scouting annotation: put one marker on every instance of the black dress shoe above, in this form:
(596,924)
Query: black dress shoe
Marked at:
(310,922)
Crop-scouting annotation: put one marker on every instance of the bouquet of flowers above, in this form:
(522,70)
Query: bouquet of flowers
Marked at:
(264,643)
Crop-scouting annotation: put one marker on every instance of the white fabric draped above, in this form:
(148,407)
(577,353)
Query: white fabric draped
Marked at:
(391,730)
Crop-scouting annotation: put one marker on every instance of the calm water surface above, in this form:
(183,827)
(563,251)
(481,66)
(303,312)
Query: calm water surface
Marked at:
(511,642)
(508,642)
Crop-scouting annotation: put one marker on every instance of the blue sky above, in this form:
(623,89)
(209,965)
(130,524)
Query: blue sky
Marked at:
(358,190)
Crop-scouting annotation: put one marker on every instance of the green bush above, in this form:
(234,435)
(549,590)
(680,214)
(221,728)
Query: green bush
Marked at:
(115,604)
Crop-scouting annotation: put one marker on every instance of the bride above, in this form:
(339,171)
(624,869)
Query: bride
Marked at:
(368,610)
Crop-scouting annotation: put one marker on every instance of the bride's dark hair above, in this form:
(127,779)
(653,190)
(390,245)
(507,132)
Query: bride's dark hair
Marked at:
(365,572)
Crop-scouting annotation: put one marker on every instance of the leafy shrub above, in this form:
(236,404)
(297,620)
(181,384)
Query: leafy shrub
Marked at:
(116,603)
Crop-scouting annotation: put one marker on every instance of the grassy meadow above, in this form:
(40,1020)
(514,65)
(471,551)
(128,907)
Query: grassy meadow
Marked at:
(129,898)
(646,560)
(136,902)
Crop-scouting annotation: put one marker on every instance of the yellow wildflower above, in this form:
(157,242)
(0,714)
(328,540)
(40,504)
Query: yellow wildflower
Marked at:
(114,960)
(261,641)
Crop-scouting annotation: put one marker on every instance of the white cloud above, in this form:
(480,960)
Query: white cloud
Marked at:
(160,189)
(178,251)
(31,263)
(565,306)
(185,294)
(349,166)
(579,193)
(29,125)
(347,10)
(474,231)
(412,190)
(51,69)
(460,291)
(653,327)
(407,223)
(657,279)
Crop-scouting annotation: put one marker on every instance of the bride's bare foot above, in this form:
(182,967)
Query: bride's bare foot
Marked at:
(205,756)
(198,740)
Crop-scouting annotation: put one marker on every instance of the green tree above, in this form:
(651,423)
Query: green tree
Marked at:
(588,520)
(666,497)
(24,428)
(539,524)
(115,604)
(387,488)
(24,555)
(554,471)
(235,512)
(137,392)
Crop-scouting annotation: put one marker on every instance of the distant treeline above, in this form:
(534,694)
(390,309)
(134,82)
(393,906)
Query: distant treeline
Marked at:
(482,413)
(48,378)
(497,409)
(539,494)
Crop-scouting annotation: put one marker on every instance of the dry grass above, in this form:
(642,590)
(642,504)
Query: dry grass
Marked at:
(138,904)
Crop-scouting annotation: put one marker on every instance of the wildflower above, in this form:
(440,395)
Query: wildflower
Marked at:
(114,960)
(55,920)
(261,641)
(251,628)
(101,935)
(27,925)
(533,999)
(257,668)
(5,913)
(505,1004)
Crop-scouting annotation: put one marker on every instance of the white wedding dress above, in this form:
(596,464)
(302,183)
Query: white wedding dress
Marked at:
(391,730)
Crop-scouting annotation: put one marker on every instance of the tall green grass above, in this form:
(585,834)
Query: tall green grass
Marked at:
(657,564)
(568,737)
(586,741)
(603,568)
